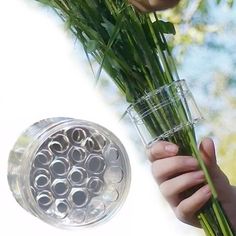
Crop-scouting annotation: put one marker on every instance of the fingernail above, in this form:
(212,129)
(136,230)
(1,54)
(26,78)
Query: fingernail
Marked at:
(200,175)
(171,148)
(206,189)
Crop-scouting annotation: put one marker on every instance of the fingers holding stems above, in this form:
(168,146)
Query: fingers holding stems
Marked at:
(170,167)
(180,181)
(186,210)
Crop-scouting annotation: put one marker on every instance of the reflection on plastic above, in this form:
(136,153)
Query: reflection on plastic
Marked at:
(70,173)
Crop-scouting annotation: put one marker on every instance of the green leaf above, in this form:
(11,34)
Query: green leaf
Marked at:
(115,31)
(44,1)
(166,27)
(108,26)
(230,3)
(91,46)
(129,93)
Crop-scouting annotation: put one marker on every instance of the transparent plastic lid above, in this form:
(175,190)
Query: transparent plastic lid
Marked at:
(69,172)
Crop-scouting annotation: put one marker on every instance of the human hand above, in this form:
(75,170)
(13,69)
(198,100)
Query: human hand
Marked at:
(178,175)
(153,5)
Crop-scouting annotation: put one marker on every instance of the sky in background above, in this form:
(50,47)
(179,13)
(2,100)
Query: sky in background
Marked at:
(209,69)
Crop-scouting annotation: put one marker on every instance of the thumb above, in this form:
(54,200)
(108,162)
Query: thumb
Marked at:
(221,182)
(207,149)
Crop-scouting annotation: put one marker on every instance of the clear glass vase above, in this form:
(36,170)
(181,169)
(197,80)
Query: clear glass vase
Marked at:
(169,113)
(69,172)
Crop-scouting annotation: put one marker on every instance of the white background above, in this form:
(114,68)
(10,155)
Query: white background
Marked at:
(42,75)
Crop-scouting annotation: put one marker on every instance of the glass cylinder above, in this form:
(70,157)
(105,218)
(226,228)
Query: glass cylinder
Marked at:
(161,113)
(69,172)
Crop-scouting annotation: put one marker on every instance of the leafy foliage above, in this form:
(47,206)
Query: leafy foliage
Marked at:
(130,46)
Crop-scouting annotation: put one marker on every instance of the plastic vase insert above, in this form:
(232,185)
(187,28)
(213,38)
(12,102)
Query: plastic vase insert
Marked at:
(69,173)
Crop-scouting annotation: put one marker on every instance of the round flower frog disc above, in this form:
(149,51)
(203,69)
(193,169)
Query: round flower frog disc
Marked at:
(69,172)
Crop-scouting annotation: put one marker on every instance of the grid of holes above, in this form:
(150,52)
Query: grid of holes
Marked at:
(77,174)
